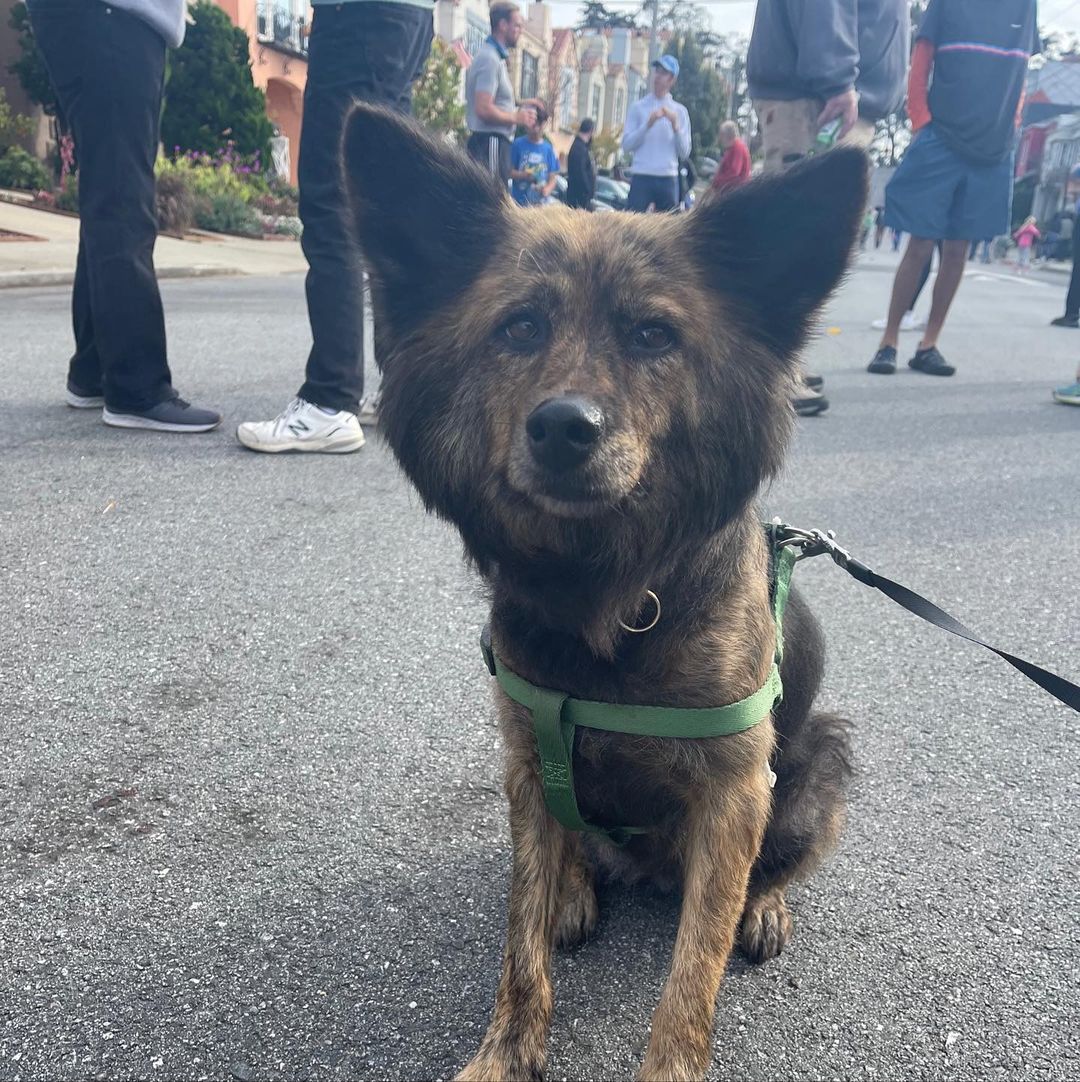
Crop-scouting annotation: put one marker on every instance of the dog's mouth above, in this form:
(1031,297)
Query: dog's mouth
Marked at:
(563,497)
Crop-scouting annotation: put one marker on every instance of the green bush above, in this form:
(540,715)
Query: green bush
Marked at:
(67,198)
(211,99)
(228,214)
(18,169)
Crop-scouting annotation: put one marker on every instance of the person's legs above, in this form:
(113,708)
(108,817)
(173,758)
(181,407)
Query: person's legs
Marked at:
(951,271)
(641,193)
(108,69)
(1072,298)
(914,265)
(665,193)
(357,52)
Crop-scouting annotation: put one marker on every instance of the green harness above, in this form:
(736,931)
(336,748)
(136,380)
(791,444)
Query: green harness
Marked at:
(556,716)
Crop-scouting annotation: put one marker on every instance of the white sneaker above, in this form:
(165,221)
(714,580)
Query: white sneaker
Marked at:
(908,322)
(304,427)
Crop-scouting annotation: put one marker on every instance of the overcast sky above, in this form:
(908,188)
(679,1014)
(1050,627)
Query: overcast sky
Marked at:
(737,16)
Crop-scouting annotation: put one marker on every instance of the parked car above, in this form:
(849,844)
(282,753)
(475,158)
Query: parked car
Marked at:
(614,194)
(559,193)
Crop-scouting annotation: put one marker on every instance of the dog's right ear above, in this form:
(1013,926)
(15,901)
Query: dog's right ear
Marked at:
(426,215)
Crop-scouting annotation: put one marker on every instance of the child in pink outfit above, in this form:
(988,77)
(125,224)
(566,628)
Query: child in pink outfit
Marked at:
(1025,237)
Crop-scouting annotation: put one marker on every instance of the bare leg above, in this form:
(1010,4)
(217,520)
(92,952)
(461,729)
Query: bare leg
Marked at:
(725,833)
(918,251)
(950,272)
(515,1044)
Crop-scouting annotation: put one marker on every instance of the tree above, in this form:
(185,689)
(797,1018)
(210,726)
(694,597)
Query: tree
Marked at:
(595,16)
(210,98)
(606,146)
(700,89)
(30,67)
(436,102)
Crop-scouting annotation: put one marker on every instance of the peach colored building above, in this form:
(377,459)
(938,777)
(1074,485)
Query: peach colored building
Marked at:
(277,39)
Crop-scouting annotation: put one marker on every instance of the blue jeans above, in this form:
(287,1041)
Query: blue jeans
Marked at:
(371,51)
(662,192)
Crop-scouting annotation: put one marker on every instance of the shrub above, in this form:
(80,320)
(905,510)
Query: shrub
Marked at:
(67,198)
(228,214)
(175,203)
(210,96)
(18,169)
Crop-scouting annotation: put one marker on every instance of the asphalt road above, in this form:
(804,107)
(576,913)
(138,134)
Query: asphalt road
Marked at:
(251,817)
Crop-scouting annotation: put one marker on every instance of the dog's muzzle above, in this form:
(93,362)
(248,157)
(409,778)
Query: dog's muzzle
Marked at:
(563,433)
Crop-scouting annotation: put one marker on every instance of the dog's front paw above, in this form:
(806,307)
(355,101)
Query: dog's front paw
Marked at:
(766,926)
(486,1067)
(577,914)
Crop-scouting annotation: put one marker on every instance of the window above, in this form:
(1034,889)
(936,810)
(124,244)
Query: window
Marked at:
(530,75)
(566,103)
(594,112)
(620,106)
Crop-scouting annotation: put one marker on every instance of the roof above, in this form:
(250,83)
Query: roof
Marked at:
(560,39)
(616,69)
(1057,81)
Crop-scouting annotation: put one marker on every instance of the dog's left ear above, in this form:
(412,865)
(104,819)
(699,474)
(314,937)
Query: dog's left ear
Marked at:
(425,215)
(779,245)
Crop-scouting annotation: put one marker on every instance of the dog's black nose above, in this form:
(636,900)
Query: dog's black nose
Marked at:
(563,432)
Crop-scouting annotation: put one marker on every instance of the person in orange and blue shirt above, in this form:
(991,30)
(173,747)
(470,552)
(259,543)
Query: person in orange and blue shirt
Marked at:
(965,93)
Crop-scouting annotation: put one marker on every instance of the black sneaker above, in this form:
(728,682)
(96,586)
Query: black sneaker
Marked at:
(84,398)
(815,383)
(1065,321)
(173,415)
(884,362)
(931,362)
(809,403)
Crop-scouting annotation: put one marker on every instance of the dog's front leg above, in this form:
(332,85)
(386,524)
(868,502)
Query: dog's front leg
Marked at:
(514,1047)
(725,830)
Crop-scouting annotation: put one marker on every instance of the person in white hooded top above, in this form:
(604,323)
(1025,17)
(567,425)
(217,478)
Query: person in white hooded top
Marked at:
(657,133)
(107,64)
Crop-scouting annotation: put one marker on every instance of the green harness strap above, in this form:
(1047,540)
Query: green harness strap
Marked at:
(555,715)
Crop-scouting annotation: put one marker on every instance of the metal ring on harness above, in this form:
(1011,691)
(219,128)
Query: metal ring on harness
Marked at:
(649,626)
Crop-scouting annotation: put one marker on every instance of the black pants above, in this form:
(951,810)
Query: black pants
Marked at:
(1072,301)
(108,68)
(369,52)
(492,151)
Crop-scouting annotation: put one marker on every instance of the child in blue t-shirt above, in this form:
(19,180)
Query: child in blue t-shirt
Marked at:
(534,164)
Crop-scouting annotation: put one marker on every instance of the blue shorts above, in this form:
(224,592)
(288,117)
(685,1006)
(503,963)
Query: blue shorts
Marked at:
(662,192)
(937,194)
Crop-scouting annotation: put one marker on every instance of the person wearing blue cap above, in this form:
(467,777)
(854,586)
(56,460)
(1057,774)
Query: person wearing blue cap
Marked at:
(657,133)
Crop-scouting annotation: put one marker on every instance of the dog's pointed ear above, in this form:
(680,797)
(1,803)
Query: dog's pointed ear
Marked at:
(779,245)
(424,214)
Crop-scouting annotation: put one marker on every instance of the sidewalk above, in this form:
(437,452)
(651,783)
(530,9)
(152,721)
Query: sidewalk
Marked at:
(50,258)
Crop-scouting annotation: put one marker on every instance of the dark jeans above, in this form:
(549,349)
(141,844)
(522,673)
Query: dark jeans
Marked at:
(369,51)
(1072,301)
(492,152)
(108,68)
(662,192)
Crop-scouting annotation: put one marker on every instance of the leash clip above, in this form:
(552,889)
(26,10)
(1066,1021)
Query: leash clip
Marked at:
(812,543)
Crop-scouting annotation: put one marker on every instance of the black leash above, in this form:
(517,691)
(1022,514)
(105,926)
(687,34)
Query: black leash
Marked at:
(817,543)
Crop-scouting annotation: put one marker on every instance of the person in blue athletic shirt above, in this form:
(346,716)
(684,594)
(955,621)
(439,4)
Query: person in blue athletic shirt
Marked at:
(534,163)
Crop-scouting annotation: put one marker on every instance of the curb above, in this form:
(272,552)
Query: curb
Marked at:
(25,279)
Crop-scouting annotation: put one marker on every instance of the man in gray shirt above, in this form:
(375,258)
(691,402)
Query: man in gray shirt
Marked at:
(491,108)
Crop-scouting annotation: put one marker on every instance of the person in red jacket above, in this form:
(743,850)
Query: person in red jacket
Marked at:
(955,182)
(735,164)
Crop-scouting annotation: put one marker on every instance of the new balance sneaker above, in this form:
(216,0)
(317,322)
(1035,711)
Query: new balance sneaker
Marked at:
(884,362)
(173,415)
(1068,396)
(931,362)
(83,398)
(304,427)
(369,408)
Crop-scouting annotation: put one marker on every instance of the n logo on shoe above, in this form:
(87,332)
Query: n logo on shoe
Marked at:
(297,427)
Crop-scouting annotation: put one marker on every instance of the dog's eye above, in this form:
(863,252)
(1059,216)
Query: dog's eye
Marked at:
(522,330)
(653,338)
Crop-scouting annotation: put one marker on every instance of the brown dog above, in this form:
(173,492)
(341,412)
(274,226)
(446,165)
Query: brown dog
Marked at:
(594,400)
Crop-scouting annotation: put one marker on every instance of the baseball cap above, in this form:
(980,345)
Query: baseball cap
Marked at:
(668,63)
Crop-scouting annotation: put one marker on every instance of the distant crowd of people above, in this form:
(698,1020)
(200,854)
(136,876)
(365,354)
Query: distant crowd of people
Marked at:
(820,72)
